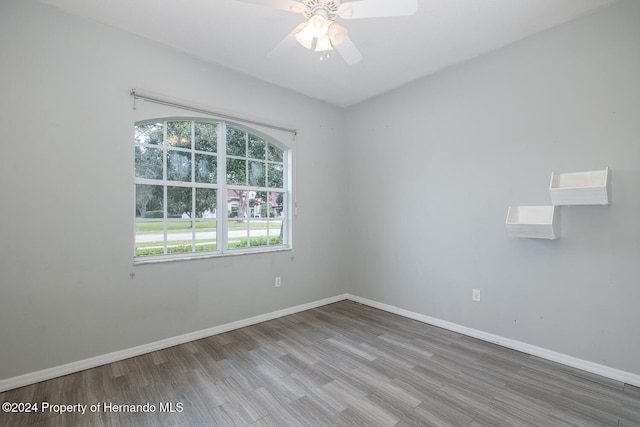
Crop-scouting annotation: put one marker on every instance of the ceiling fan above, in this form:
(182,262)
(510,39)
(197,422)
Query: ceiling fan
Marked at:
(320,28)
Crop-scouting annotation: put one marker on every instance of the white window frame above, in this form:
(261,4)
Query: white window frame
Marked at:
(221,187)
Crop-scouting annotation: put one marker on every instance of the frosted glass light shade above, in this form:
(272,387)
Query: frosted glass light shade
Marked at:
(318,25)
(337,34)
(323,44)
(304,36)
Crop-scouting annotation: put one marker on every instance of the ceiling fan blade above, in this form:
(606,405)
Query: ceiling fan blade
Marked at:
(277,4)
(349,51)
(377,8)
(286,44)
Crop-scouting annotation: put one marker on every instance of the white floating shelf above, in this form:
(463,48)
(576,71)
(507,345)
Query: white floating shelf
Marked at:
(581,188)
(538,222)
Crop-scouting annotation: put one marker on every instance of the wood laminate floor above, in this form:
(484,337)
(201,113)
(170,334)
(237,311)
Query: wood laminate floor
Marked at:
(343,364)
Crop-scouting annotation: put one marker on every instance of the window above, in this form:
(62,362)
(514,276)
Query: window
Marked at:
(205,188)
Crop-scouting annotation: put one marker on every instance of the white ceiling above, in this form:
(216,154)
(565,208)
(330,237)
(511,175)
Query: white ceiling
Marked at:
(242,37)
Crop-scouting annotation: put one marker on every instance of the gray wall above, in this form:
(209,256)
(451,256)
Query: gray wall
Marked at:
(434,165)
(420,180)
(66,170)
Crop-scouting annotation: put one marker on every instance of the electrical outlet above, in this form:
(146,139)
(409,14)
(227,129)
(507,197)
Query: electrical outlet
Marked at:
(476,295)
(278,282)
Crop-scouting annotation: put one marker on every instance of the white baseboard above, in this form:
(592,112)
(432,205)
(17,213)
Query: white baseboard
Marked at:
(594,368)
(81,365)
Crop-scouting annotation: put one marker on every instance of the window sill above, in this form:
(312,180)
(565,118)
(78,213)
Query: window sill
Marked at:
(183,257)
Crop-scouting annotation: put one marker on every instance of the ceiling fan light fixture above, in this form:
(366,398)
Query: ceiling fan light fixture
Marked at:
(318,25)
(320,16)
(337,33)
(323,44)
(304,36)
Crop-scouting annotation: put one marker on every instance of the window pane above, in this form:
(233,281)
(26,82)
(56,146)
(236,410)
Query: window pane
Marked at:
(179,236)
(256,147)
(236,142)
(276,205)
(206,169)
(275,154)
(276,176)
(206,136)
(237,205)
(236,171)
(179,202)
(179,225)
(276,231)
(149,217)
(205,203)
(148,162)
(277,210)
(257,176)
(179,134)
(149,201)
(206,235)
(258,233)
(149,237)
(256,200)
(150,133)
(178,166)
(265,228)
